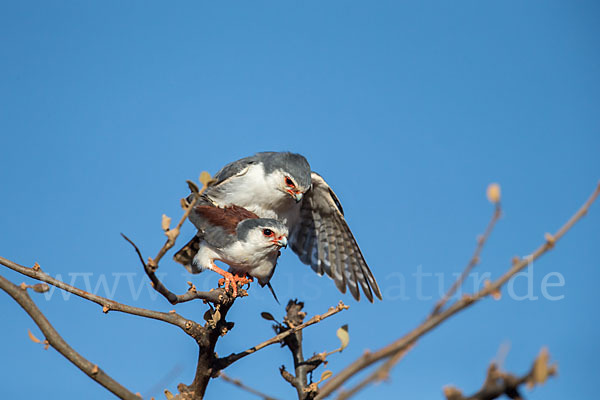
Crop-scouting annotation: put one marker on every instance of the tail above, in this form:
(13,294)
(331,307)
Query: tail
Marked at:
(273,292)
(185,256)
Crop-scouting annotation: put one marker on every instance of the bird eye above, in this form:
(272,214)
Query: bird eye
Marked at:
(267,232)
(288,181)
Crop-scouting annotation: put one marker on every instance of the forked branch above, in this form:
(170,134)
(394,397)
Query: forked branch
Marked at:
(403,343)
(21,296)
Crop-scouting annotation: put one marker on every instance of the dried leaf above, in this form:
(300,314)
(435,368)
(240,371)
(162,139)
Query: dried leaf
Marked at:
(540,366)
(193,187)
(33,338)
(169,395)
(267,316)
(205,178)
(172,234)
(493,193)
(325,375)
(165,223)
(342,334)
(105,309)
(36,267)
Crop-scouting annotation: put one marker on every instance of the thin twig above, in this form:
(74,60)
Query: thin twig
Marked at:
(228,360)
(216,296)
(172,234)
(433,321)
(481,240)
(241,385)
(295,317)
(55,340)
(380,374)
(107,304)
(383,371)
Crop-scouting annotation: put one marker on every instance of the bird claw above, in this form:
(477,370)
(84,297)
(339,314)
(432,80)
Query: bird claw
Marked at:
(233,281)
(227,281)
(244,279)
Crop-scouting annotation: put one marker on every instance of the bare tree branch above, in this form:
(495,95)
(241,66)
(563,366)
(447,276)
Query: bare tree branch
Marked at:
(189,326)
(216,296)
(383,371)
(380,374)
(172,234)
(55,340)
(295,317)
(433,321)
(230,359)
(481,240)
(207,366)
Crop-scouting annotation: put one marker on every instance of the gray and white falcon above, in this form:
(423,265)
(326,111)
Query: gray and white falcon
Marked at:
(281,185)
(236,236)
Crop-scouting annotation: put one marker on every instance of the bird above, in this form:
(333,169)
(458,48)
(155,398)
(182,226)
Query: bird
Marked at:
(248,244)
(282,186)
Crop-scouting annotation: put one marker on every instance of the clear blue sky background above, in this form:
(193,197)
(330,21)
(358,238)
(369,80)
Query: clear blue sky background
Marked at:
(408,109)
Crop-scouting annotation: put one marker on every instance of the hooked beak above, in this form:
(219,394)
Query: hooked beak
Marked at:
(282,242)
(298,197)
(295,195)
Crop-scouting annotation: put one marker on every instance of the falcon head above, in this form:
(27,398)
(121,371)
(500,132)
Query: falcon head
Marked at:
(263,233)
(289,172)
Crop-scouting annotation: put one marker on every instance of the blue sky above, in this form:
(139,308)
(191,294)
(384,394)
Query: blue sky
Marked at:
(408,109)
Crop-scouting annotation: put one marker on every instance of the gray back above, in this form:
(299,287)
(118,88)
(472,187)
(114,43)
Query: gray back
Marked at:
(217,237)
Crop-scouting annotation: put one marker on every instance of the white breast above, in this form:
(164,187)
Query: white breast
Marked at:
(257,192)
(245,257)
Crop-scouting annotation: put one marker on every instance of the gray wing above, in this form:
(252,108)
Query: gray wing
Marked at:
(323,240)
(219,183)
(217,237)
(233,169)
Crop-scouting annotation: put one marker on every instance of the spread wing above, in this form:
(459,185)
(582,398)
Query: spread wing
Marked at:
(323,240)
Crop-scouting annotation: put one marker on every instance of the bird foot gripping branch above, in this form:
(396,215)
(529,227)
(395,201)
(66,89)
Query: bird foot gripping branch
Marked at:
(234,281)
